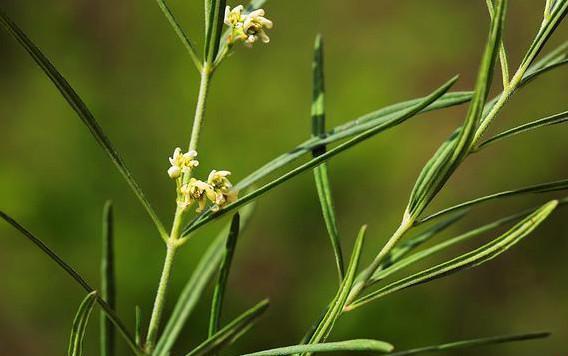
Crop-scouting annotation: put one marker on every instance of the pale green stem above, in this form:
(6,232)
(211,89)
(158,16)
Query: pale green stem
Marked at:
(154,325)
(366,275)
(502,51)
(505,95)
(206,72)
(173,242)
(508,90)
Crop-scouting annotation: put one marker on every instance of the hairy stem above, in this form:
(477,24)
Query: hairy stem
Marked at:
(366,275)
(206,72)
(160,298)
(172,245)
(173,240)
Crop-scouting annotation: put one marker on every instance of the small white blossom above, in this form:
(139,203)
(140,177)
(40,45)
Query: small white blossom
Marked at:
(247,27)
(196,191)
(174,172)
(223,189)
(182,163)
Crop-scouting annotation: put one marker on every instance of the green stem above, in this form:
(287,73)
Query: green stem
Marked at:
(160,298)
(508,91)
(173,240)
(363,279)
(172,245)
(206,73)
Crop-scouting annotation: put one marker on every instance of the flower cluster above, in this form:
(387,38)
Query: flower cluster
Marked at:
(218,189)
(247,27)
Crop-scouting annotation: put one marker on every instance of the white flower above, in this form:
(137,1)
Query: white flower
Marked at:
(196,191)
(247,28)
(174,172)
(223,189)
(182,162)
(234,17)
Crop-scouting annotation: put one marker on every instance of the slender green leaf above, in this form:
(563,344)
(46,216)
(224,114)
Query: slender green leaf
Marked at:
(308,335)
(314,162)
(226,336)
(536,189)
(388,113)
(216,10)
(321,176)
(446,160)
(502,51)
(193,290)
(468,260)
(556,16)
(82,111)
(338,303)
(180,33)
(382,117)
(554,59)
(547,121)
(80,325)
(365,122)
(108,281)
(350,345)
(466,344)
(398,252)
(77,277)
(219,292)
(407,261)
(138,326)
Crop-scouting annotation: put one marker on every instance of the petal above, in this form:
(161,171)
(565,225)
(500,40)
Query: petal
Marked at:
(265,22)
(256,13)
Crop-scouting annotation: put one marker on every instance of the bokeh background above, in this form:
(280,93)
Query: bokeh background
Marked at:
(127,64)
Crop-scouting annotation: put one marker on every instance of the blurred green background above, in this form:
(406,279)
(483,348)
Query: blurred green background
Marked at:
(126,63)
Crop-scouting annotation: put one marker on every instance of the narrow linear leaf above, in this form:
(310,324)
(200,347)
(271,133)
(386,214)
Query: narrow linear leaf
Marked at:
(468,260)
(466,344)
(547,121)
(558,54)
(398,252)
(80,325)
(418,256)
(381,117)
(108,282)
(554,59)
(321,176)
(502,51)
(77,277)
(350,345)
(385,115)
(204,271)
(338,303)
(532,189)
(214,29)
(556,16)
(180,33)
(219,292)
(446,160)
(314,162)
(356,126)
(226,336)
(82,111)
(308,335)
